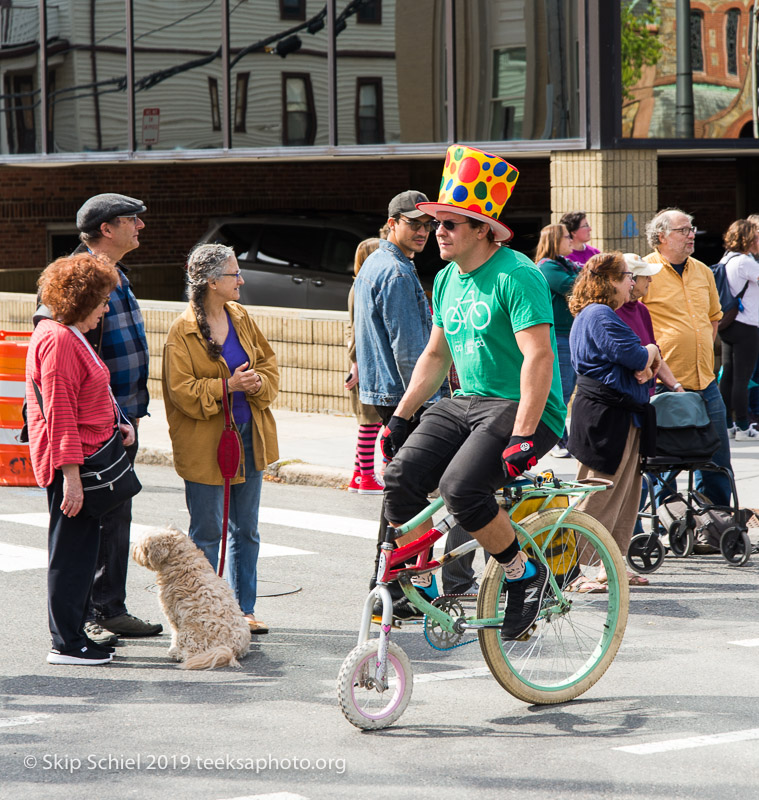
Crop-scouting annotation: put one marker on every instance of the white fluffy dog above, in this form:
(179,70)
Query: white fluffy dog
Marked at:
(208,629)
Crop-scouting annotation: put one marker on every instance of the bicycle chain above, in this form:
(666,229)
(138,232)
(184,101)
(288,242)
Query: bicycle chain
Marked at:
(428,624)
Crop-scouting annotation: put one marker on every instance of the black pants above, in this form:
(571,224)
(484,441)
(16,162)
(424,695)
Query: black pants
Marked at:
(72,555)
(456,447)
(740,349)
(109,587)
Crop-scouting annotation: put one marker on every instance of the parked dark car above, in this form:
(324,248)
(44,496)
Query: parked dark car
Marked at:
(305,259)
(295,260)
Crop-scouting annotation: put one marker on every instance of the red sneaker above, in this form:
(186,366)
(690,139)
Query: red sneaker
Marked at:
(355,483)
(371,484)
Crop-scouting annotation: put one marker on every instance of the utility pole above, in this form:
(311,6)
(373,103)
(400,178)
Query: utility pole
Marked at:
(684,94)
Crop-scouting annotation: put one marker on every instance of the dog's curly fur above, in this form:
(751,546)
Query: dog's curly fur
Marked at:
(208,628)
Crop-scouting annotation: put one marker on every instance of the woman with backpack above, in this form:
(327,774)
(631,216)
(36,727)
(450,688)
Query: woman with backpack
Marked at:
(740,339)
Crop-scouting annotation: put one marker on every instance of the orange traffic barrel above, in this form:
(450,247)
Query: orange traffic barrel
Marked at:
(15,461)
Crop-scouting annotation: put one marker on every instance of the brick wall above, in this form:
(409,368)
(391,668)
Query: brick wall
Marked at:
(181,197)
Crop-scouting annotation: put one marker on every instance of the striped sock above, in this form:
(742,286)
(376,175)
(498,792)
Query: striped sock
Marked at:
(367,436)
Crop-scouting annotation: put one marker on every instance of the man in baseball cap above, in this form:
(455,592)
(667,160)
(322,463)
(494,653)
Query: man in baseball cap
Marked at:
(110,226)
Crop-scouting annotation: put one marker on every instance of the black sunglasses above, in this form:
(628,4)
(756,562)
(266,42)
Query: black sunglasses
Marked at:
(448,224)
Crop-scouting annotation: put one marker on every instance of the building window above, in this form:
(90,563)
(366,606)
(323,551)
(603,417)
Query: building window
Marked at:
(213,91)
(370,12)
(292,9)
(370,125)
(299,115)
(696,40)
(241,101)
(22,133)
(732,20)
(509,90)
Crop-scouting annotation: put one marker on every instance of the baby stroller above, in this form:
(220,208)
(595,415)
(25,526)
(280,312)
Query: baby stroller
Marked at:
(685,441)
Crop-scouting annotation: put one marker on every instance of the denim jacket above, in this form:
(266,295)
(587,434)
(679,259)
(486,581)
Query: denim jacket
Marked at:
(392,323)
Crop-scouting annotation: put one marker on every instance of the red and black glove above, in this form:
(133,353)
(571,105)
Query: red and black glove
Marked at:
(396,433)
(518,456)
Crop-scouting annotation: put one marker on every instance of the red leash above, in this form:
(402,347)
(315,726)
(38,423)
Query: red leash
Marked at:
(228,455)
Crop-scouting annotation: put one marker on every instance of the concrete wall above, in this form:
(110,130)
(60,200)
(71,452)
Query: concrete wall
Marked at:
(310,348)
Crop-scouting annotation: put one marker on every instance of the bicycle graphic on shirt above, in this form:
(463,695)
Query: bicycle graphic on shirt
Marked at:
(467,310)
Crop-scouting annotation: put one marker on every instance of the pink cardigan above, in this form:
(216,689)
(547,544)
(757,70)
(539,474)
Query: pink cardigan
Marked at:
(77,403)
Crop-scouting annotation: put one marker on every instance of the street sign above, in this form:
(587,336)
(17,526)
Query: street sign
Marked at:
(150,124)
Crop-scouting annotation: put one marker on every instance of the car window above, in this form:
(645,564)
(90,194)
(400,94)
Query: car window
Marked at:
(340,252)
(291,245)
(242,238)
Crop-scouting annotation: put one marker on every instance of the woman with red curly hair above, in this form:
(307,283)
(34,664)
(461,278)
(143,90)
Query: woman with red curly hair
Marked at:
(611,417)
(76,417)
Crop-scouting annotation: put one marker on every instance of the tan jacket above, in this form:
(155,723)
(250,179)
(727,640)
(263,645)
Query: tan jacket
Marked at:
(192,392)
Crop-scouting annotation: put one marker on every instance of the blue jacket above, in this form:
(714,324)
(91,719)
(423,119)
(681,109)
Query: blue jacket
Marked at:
(392,323)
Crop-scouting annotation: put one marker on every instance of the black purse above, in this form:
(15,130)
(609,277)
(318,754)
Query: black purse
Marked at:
(108,478)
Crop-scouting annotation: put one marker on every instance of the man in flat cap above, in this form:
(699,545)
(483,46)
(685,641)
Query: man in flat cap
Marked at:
(109,226)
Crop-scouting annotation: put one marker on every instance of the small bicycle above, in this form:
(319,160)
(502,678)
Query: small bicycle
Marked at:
(572,643)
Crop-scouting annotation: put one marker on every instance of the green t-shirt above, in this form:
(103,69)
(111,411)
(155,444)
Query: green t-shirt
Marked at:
(480,312)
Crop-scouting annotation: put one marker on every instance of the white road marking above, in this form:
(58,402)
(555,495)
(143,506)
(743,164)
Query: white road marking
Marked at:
(29,719)
(747,642)
(274,796)
(692,741)
(17,557)
(452,675)
(324,523)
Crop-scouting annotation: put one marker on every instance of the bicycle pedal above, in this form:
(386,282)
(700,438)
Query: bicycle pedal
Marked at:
(377,620)
(527,634)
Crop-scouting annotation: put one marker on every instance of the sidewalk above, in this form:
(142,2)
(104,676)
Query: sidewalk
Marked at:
(319,449)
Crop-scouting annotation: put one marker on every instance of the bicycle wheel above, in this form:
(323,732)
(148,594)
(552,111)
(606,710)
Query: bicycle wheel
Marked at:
(573,643)
(362,703)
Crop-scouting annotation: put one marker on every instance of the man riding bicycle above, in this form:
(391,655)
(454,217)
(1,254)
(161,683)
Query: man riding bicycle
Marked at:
(509,410)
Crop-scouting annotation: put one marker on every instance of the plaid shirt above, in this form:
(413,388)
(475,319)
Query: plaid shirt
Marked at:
(125,350)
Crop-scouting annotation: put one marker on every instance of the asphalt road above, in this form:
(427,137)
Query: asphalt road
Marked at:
(681,692)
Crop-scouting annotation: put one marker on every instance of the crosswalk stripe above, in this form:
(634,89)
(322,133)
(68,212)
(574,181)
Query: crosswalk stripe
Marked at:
(692,741)
(28,719)
(747,642)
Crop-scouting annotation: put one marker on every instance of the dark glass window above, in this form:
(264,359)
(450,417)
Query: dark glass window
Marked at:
(369,124)
(509,90)
(299,117)
(732,20)
(696,40)
(213,91)
(241,101)
(370,12)
(292,9)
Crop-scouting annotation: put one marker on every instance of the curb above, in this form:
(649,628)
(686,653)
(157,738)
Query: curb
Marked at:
(292,471)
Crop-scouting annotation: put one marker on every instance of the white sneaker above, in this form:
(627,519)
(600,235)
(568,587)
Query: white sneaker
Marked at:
(731,431)
(744,436)
(557,451)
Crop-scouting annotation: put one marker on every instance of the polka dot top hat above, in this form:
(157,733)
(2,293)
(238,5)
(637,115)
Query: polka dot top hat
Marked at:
(475,184)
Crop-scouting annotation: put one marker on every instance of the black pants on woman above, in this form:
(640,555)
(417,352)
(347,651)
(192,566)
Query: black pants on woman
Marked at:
(740,349)
(72,544)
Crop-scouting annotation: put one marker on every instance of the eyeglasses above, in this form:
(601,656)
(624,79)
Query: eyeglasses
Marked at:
(236,275)
(448,224)
(685,231)
(415,225)
(628,275)
(131,217)
(106,301)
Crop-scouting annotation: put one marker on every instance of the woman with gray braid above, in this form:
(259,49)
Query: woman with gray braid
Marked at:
(214,347)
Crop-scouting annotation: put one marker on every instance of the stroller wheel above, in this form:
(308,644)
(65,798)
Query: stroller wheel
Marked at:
(681,539)
(735,546)
(646,553)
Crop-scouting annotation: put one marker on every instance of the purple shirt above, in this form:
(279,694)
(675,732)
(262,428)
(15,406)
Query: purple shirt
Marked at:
(638,317)
(232,352)
(581,256)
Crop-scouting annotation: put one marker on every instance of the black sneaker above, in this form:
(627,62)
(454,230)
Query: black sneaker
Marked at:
(402,609)
(523,601)
(86,656)
(100,648)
